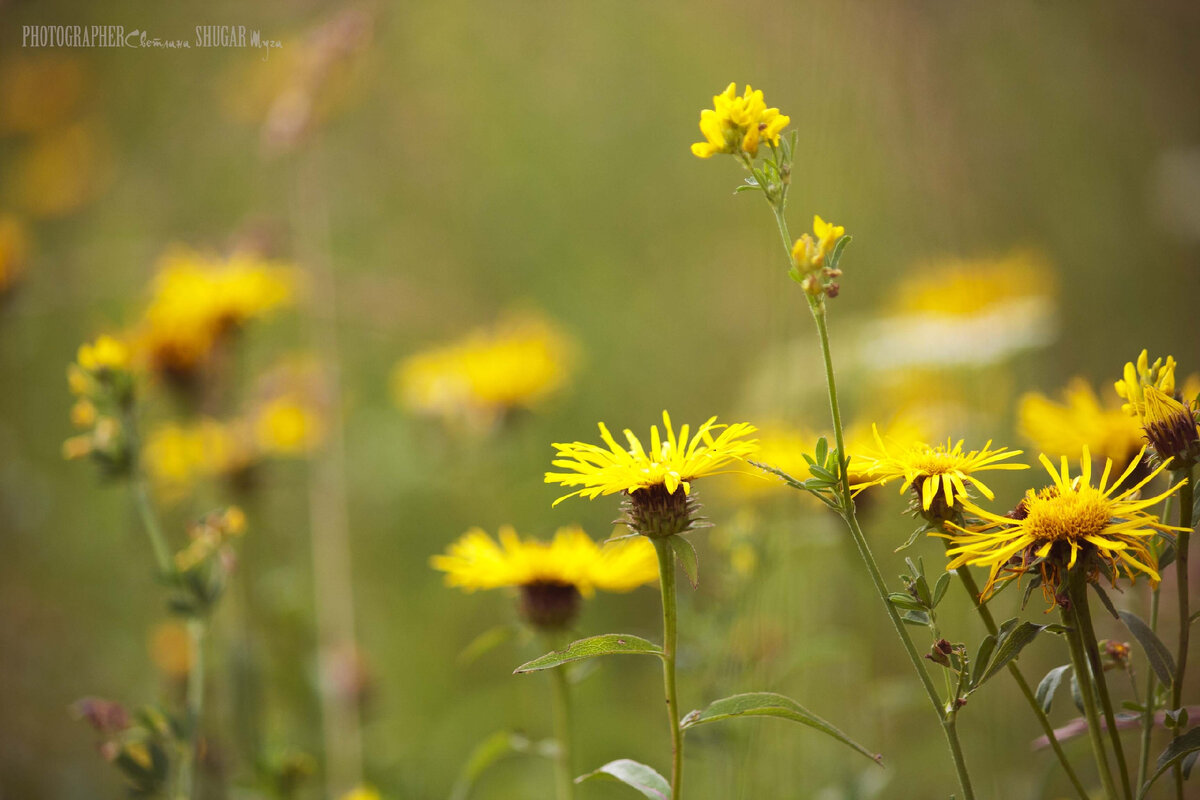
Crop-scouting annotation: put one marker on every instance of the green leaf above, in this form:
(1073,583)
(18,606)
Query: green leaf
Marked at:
(634,775)
(836,255)
(747,188)
(1176,750)
(915,618)
(939,588)
(495,747)
(685,551)
(912,539)
(822,450)
(1104,601)
(603,645)
(1049,685)
(923,593)
(769,704)
(1156,652)
(905,601)
(1009,646)
(982,656)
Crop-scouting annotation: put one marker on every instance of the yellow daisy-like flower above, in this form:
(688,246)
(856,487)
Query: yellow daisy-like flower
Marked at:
(669,463)
(572,558)
(738,124)
(517,365)
(1053,527)
(1080,421)
(936,473)
(197,300)
(1132,386)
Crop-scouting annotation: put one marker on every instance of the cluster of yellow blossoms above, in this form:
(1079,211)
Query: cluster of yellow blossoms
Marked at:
(736,125)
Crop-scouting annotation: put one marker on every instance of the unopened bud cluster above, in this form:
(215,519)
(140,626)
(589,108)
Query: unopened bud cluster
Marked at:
(103,387)
(814,260)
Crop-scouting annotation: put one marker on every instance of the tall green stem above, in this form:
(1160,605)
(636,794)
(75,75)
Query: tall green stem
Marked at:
(666,571)
(1151,680)
(945,718)
(564,785)
(1181,572)
(989,622)
(1079,602)
(186,779)
(1083,675)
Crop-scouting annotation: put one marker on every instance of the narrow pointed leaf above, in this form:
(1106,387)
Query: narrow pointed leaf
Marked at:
(1049,685)
(1107,603)
(769,704)
(1157,653)
(686,553)
(604,645)
(1176,750)
(939,589)
(486,642)
(836,255)
(982,656)
(1010,646)
(492,749)
(634,775)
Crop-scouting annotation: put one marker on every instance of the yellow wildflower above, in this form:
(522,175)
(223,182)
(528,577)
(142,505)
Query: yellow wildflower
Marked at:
(288,426)
(738,124)
(669,463)
(1132,386)
(936,473)
(1054,528)
(476,561)
(551,576)
(1065,429)
(197,300)
(177,456)
(38,92)
(477,380)
(105,354)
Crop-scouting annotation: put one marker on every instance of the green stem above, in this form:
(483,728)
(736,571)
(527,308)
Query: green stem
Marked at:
(989,622)
(564,785)
(186,787)
(158,541)
(1181,573)
(817,307)
(1079,600)
(666,571)
(1083,675)
(1151,681)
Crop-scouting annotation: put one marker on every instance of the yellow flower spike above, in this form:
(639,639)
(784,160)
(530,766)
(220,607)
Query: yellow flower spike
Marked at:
(1054,527)
(1135,379)
(938,474)
(670,464)
(736,125)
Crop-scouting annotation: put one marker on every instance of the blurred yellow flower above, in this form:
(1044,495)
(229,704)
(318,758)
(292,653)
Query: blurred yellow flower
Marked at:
(210,536)
(670,464)
(477,380)
(1053,527)
(171,649)
(939,472)
(106,353)
(61,171)
(572,558)
(287,426)
(1065,429)
(177,456)
(39,91)
(14,250)
(738,124)
(197,300)
(966,312)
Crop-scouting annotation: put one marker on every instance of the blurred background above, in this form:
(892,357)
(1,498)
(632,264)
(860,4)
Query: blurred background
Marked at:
(1022,182)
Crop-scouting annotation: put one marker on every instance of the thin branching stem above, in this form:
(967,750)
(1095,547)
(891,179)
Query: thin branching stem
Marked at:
(564,785)
(186,778)
(945,718)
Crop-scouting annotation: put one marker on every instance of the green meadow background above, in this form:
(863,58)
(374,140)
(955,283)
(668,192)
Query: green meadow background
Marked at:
(481,157)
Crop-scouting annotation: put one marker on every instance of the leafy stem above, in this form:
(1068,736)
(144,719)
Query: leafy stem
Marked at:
(1185,619)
